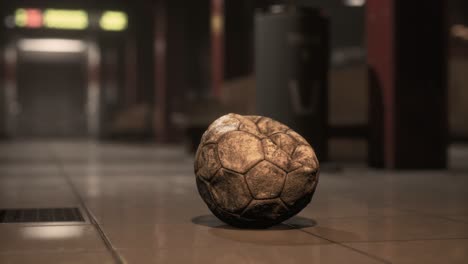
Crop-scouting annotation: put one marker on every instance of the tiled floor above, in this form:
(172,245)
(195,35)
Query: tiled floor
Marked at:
(141,206)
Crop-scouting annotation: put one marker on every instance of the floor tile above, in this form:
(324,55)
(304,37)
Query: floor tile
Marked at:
(462,218)
(145,199)
(35,191)
(324,254)
(18,238)
(57,258)
(453,251)
(192,235)
(388,228)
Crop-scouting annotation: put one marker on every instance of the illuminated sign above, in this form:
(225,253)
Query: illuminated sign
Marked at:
(21,17)
(65,19)
(113,21)
(28,18)
(68,19)
(51,45)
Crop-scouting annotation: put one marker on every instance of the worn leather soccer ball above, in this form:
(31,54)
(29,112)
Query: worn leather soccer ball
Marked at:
(254,172)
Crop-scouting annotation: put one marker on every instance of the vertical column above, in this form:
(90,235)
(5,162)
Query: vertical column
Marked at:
(407,83)
(217,51)
(2,92)
(10,89)
(238,39)
(130,71)
(380,61)
(160,120)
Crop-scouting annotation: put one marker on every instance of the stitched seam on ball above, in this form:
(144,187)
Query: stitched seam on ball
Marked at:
(240,122)
(217,156)
(315,159)
(258,162)
(283,203)
(245,177)
(207,143)
(214,175)
(258,121)
(276,133)
(245,180)
(278,148)
(219,160)
(247,207)
(246,120)
(247,132)
(225,134)
(253,200)
(219,140)
(219,206)
(209,191)
(295,145)
(284,184)
(258,128)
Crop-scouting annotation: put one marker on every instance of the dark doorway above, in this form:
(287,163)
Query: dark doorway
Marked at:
(51,95)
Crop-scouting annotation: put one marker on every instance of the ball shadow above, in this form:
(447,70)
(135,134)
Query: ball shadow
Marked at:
(282,234)
(296,222)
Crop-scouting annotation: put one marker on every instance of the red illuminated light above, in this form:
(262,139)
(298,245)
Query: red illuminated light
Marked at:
(34,18)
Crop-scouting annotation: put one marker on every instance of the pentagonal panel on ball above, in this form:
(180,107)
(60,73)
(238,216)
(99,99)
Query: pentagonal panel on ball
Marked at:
(265,180)
(230,191)
(254,118)
(276,155)
(204,189)
(219,127)
(305,155)
(207,162)
(239,151)
(284,142)
(265,210)
(297,137)
(269,126)
(299,183)
(249,126)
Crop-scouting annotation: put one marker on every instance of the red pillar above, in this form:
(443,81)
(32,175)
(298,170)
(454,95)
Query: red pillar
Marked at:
(406,42)
(380,47)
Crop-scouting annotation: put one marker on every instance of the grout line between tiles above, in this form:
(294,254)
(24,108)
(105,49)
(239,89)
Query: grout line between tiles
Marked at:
(405,240)
(115,255)
(444,217)
(346,246)
(42,225)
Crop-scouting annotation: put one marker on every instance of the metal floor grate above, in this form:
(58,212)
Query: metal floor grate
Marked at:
(40,215)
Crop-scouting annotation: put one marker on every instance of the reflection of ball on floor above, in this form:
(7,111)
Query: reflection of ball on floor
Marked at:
(254,172)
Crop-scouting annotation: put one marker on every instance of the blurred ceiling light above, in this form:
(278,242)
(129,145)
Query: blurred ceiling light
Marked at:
(52,232)
(21,17)
(459,31)
(354,2)
(52,45)
(65,19)
(28,17)
(34,18)
(113,21)
(277,9)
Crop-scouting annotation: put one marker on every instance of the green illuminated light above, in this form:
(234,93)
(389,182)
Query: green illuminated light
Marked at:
(65,19)
(113,21)
(21,17)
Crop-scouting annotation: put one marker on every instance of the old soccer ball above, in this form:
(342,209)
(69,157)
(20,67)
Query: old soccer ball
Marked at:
(254,172)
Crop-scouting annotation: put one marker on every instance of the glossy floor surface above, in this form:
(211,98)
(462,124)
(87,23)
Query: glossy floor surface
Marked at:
(141,206)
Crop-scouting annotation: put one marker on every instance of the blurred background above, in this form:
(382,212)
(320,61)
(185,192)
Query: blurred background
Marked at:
(103,103)
(363,82)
